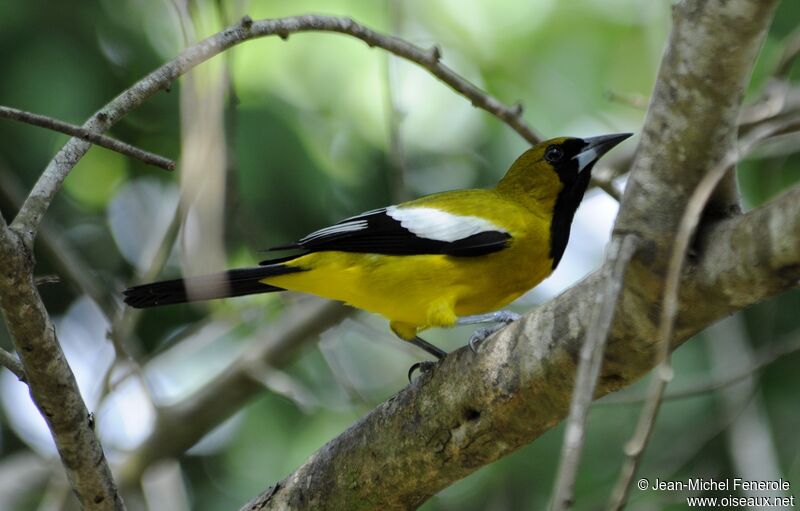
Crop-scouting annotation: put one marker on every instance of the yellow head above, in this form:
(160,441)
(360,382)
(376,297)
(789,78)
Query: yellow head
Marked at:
(557,164)
(551,178)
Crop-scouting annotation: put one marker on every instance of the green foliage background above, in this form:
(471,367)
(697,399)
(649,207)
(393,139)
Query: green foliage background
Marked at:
(308,142)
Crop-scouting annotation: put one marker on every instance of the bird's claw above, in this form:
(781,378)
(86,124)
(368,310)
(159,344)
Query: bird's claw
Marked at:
(424,367)
(478,336)
(501,318)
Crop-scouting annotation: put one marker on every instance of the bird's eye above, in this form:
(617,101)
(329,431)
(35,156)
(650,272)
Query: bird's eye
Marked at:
(553,154)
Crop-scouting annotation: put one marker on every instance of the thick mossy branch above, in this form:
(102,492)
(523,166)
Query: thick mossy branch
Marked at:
(692,119)
(473,409)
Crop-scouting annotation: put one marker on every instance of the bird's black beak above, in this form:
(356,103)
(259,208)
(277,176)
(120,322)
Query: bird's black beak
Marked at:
(595,147)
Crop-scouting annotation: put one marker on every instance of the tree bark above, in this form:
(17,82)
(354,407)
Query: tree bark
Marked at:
(50,380)
(473,409)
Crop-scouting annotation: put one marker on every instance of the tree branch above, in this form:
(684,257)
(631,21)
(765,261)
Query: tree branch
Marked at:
(180,426)
(50,380)
(473,409)
(700,87)
(90,136)
(11,363)
(692,119)
(663,374)
(393,114)
(68,262)
(620,252)
(30,215)
(763,358)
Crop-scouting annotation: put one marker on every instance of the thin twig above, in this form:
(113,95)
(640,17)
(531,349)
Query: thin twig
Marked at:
(58,249)
(663,372)
(791,51)
(46,279)
(776,92)
(764,358)
(393,114)
(30,215)
(620,252)
(123,324)
(13,364)
(607,186)
(727,345)
(636,101)
(50,123)
(181,425)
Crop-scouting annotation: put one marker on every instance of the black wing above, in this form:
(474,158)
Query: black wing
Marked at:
(381,232)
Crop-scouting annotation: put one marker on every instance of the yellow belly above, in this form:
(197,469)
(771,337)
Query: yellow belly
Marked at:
(421,291)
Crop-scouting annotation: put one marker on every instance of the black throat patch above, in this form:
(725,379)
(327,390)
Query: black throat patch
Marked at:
(575,184)
(563,213)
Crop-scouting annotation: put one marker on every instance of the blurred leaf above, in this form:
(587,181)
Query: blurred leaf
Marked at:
(96,176)
(139,215)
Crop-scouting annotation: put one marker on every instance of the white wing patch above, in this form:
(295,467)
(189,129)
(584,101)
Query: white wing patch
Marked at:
(435,224)
(345,226)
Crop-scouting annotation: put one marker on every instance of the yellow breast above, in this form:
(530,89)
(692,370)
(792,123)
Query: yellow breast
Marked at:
(426,290)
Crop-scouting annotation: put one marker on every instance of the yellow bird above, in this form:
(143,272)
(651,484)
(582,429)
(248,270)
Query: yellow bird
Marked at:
(446,259)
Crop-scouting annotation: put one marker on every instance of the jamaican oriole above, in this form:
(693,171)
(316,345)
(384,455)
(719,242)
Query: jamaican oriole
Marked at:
(437,261)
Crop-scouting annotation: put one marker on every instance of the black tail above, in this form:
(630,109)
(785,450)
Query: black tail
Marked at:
(239,282)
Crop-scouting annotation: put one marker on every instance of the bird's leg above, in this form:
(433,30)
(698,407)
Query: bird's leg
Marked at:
(502,318)
(430,348)
(427,365)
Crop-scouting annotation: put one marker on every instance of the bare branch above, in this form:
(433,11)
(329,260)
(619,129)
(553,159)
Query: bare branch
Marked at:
(607,185)
(663,374)
(90,136)
(620,252)
(632,100)
(12,363)
(692,120)
(30,215)
(763,359)
(50,380)
(791,52)
(69,263)
(180,426)
(394,116)
(472,410)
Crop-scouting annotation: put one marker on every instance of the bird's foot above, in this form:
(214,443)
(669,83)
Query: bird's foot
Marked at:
(424,367)
(501,318)
(506,317)
(480,335)
(427,365)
